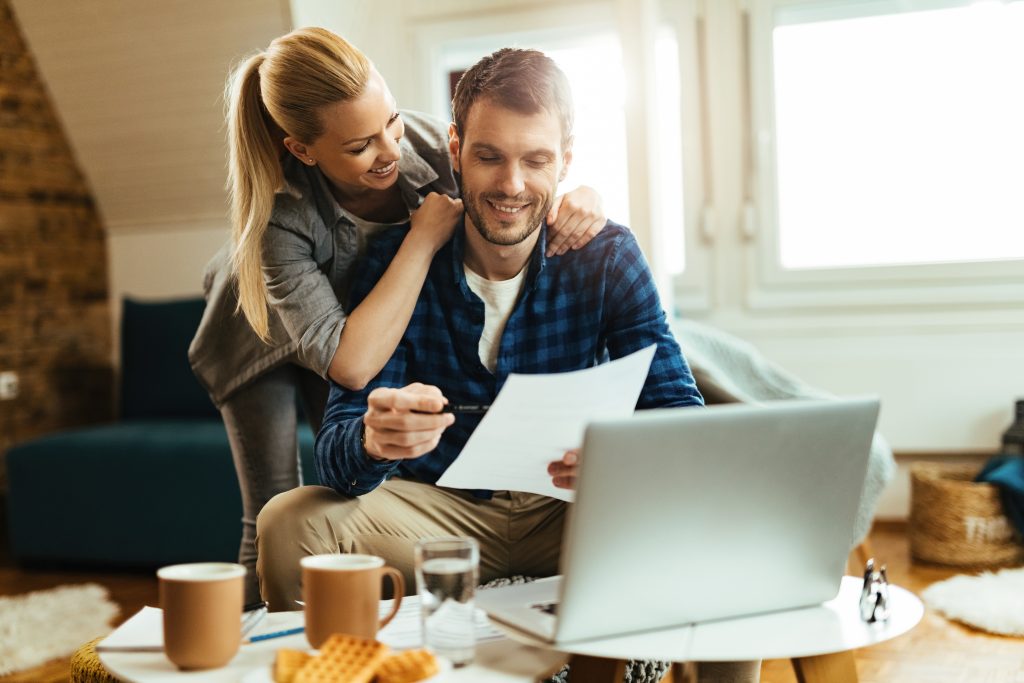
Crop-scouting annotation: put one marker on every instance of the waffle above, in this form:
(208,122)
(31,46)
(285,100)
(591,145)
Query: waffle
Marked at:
(407,667)
(343,659)
(287,664)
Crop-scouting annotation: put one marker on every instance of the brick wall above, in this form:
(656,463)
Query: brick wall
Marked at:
(54,310)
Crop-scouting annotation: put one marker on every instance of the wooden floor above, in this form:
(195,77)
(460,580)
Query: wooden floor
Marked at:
(937,651)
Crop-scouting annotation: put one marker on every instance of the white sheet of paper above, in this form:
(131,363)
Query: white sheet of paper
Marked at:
(405,633)
(144,632)
(536,418)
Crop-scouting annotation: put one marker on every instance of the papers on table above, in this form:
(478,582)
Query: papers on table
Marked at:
(536,418)
(404,631)
(144,631)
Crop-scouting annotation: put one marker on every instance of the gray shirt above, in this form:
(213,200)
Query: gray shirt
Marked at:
(309,253)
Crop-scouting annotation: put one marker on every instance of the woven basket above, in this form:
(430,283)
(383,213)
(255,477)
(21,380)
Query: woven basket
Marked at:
(957,522)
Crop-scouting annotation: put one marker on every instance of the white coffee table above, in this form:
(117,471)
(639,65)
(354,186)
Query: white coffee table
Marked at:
(820,640)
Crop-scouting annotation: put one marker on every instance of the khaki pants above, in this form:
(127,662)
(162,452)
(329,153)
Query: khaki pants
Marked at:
(518,533)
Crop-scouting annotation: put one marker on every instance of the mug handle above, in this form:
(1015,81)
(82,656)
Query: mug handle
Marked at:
(398,583)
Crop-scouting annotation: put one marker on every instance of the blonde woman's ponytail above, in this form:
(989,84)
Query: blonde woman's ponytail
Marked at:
(271,95)
(254,175)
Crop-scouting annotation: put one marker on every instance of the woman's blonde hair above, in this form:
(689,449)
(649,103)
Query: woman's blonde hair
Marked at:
(271,95)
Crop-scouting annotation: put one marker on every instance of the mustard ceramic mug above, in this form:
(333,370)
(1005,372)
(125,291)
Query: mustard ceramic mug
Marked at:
(342,595)
(202,605)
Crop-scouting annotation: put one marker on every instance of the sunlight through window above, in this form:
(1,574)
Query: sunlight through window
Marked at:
(899,138)
(594,70)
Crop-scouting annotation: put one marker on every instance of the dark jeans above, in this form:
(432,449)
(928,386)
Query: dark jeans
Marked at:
(262,424)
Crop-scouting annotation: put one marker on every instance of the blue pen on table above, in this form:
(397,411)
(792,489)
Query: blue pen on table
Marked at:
(275,634)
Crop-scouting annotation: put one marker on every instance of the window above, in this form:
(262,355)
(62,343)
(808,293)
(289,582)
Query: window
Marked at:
(886,149)
(899,137)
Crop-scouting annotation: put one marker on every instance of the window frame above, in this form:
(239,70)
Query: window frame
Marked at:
(692,290)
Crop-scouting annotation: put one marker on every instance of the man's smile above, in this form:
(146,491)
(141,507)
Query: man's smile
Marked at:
(507,208)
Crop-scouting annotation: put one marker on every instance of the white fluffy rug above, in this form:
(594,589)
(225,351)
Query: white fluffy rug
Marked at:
(44,625)
(992,602)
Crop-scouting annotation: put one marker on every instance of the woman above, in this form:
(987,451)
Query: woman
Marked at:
(320,160)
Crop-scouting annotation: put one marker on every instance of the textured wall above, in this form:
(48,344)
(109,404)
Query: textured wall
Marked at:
(54,314)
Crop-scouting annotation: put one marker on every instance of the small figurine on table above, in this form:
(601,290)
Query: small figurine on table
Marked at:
(874,597)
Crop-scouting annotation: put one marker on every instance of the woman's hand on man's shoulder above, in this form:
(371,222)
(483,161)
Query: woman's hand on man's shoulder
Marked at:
(436,219)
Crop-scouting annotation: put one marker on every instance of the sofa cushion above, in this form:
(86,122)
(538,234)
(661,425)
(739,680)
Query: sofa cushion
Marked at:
(156,378)
(138,493)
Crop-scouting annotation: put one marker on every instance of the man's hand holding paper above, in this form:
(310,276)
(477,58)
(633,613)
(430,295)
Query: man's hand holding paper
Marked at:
(565,471)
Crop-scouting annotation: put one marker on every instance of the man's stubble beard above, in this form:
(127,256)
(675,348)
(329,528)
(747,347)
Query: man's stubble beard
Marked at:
(473,204)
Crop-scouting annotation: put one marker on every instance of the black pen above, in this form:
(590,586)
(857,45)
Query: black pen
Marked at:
(459,409)
(467,408)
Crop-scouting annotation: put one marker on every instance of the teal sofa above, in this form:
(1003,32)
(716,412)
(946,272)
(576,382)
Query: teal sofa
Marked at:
(156,487)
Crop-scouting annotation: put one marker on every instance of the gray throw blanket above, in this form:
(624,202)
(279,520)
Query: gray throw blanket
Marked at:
(730,370)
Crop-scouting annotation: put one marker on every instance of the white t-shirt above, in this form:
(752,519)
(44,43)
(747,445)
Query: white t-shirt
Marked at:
(499,299)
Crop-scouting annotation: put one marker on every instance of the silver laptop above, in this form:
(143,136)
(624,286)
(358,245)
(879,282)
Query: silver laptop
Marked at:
(693,514)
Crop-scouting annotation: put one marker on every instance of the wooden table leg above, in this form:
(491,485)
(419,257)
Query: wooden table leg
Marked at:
(837,667)
(587,669)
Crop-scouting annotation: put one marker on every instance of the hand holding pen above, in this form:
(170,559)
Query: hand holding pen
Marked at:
(408,422)
(404,423)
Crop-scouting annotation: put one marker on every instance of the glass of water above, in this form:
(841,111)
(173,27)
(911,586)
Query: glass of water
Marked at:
(446,576)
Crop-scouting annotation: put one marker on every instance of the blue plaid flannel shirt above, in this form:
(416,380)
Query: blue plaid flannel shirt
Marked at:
(576,311)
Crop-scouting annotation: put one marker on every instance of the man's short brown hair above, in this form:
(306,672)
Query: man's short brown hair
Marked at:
(525,81)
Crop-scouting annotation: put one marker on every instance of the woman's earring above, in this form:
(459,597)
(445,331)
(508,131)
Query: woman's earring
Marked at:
(310,161)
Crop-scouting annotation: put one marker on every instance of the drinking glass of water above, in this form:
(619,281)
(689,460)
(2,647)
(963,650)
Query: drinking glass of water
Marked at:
(446,576)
